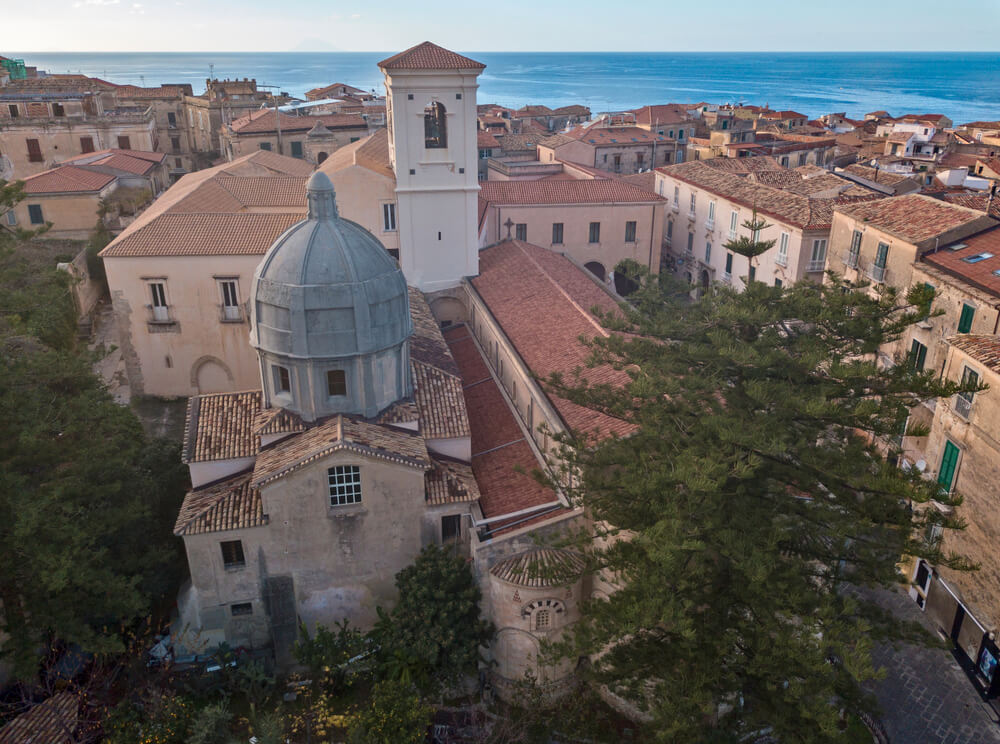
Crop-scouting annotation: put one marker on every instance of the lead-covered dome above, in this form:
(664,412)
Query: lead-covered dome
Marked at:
(330,315)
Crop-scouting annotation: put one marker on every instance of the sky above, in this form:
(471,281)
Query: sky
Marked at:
(509,25)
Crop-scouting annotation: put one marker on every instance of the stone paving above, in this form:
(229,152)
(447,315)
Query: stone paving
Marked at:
(926,698)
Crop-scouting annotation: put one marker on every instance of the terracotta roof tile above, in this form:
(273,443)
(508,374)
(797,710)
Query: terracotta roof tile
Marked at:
(401,412)
(163,91)
(277,421)
(66,179)
(978,201)
(258,122)
(428,56)
(913,217)
(499,449)
(601,136)
(521,283)
(427,345)
(371,153)
(984,274)
(204,235)
(485,140)
(876,176)
(450,482)
(984,349)
(221,426)
(128,163)
(438,397)
(51,722)
(596,191)
(340,433)
(541,567)
(229,504)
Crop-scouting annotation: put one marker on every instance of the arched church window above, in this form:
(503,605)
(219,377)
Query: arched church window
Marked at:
(435,126)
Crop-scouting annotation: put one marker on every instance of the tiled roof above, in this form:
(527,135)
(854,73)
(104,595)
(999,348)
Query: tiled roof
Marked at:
(541,567)
(485,140)
(450,482)
(669,113)
(605,136)
(371,152)
(221,426)
(428,56)
(645,181)
(598,191)
(502,460)
(128,163)
(438,397)
(323,91)
(340,433)
(913,217)
(574,109)
(984,274)
(536,109)
(770,115)
(277,421)
(257,122)
(230,504)
(876,176)
(163,91)
(794,209)
(522,141)
(958,160)
(401,412)
(274,191)
(51,722)
(744,165)
(427,344)
(978,201)
(204,235)
(66,179)
(96,156)
(982,125)
(521,283)
(985,349)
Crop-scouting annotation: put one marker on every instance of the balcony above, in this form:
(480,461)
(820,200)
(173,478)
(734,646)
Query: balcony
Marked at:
(850,260)
(231,313)
(781,260)
(710,225)
(675,208)
(876,273)
(815,266)
(963,406)
(727,276)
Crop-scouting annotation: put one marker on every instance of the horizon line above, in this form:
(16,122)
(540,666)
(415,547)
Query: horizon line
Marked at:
(512,51)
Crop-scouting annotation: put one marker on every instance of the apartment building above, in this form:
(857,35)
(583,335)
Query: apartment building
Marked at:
(610,146)
(281,133)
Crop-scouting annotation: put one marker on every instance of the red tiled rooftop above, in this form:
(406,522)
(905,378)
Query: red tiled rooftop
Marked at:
(985,349)
(913,217)
(66,179)
(521,283)
(429,56)
(597,191)
(981,274)
(257,122)
(499,448)
(485,140)
(603,136)
(667,113)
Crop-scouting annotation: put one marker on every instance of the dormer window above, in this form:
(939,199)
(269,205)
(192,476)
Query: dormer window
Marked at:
(282,379)
(435,126)
(336,382)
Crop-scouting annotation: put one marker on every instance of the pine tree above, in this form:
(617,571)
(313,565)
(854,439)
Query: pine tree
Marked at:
(751,245)
(745,520)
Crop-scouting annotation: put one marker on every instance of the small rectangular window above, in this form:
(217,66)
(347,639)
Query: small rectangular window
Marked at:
(158,301)
(451,527)
(58,110)
(232,554)
(35,214)
(389,217)
(782,259)
(729,263)
(734,217)
(630,231)
(336,382)
(557,233)
(14,110)
(670,230)
(694,203)
(243,608)
(777,282)
(296,149)
(171,119)
(265,146)
(711,214)
(965,320)
(11,218)
(124,143)
(677,195)
(595,232)
(282,379)
(86,144)
(34,151)
(708,252)
(175,144)
(229,290)
(918,355)
(521,231)
(345,485)
(690,244)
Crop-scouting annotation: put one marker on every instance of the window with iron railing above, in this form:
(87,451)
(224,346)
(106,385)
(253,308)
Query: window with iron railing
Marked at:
(782,257)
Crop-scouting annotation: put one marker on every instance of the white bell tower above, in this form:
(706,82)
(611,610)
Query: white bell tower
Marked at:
(431,105)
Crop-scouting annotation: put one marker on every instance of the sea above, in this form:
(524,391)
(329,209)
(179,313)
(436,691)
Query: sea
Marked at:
(964,86)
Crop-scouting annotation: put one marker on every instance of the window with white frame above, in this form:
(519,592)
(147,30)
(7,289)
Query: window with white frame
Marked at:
(11,218)
(782,259)
(158,301)
(734,218)
(817,261)
(694,204)
(229,291)
(708,252)
(710,222)
(389,217)
(345,485)
(677,196)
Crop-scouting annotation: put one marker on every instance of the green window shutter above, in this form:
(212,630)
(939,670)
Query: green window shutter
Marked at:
(918,355)
(965,321)
(881,254)
(947,470)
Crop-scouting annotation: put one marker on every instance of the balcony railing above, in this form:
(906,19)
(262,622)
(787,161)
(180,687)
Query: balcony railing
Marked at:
(876,273)
(816,266)
(963,406)
(851,260)
(726,276)
(781,260)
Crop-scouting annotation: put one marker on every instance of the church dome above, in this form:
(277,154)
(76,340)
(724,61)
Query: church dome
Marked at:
(327,295)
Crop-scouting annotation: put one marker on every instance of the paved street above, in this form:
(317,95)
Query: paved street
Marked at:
(926,698)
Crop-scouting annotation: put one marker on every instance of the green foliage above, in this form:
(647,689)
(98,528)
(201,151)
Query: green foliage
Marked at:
(395,714)
(326,653)
(254,681)
(211,725)
(98,240)
(751,245)
(12,192)
(157,718)
(753,507)
(35,301)
(432,636)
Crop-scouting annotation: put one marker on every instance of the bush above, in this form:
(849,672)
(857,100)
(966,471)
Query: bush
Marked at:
(394,715)
(326,653)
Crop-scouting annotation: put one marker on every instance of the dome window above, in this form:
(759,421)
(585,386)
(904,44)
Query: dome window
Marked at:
(282,379)
(336,382)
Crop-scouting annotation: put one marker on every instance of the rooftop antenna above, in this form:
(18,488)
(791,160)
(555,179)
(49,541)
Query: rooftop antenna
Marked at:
(211,71)
(142,79)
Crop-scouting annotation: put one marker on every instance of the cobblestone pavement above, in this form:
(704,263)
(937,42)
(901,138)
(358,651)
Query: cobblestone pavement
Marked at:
(926,698)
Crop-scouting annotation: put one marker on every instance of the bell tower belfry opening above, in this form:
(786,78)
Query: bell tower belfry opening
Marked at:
(431,107)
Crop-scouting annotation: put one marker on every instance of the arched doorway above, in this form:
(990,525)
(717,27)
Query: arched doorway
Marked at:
(704,278)
(321,157)
(211,375)
(595,268)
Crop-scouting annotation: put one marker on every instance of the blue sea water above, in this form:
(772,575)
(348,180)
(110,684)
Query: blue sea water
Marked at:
(963,86)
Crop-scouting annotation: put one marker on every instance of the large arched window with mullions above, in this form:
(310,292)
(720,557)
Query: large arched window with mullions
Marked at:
(435,126)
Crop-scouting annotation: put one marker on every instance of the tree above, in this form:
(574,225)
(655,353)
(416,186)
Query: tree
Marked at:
(434,633)
(751,245)
(395,714)
(745,520)
(87,501)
